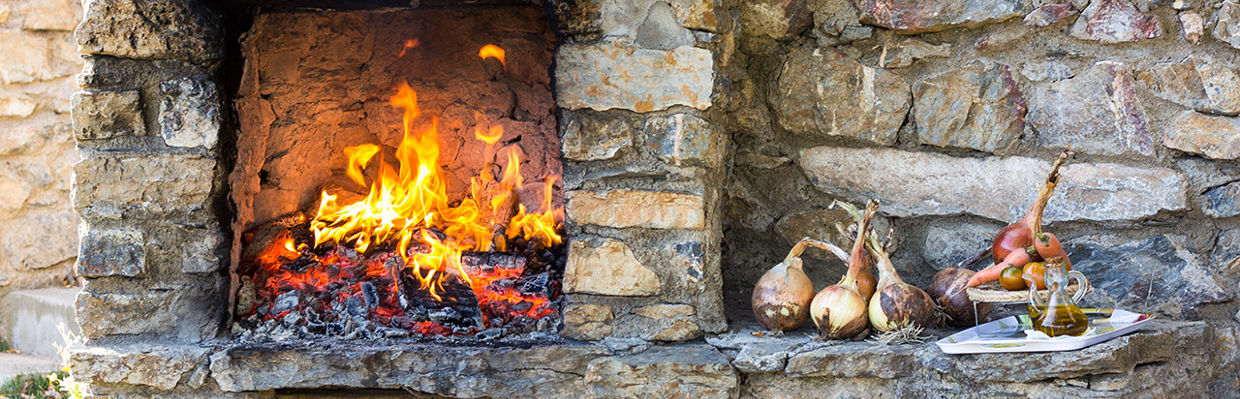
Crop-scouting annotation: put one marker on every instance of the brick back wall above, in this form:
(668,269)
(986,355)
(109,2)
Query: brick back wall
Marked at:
(38,58)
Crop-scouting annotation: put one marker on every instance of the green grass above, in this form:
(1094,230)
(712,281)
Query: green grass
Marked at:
(29,386)
(4,346)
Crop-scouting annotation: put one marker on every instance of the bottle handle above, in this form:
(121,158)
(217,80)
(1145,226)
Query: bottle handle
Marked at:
(1082,284)
(1034,299)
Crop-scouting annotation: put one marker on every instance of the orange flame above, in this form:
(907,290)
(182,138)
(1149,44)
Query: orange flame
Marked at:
(406,204)
(492,51)
(411,43)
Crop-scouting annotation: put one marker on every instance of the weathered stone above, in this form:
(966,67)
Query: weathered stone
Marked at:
(161,366)
(935,15)
(1115,21)
(1001,39)
(190,113)
(617,75)
(947,244)
(13,195)
(587,322)
(25,58)
(112,252)
(775,19)
(849,361)
(762,358)
(19,107)
(107,114)
(1095,112)
(1222,201)
(977,106)
(660,30)
(61,15)
(202,250)
(1227,23)
(819,224)
(905,52)
(1216,137)
(833,17)
(1049,13)
(683,139)
(1204,86)
(1099,191)
(5,13)
(1156,275)
(41,240)
(684,371)
(823,92)
(1193,26)
(589,137)
(617,208)
(607,267)
(1225,258)
(103,314)
(160,29)
(1053,71)
(696,14)
(117,186)
(678,319)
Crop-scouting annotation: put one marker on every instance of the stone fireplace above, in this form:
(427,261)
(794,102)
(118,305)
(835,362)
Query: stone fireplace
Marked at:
(628,169)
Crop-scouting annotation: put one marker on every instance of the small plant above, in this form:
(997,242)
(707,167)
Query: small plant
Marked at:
(63,381)
(31,386)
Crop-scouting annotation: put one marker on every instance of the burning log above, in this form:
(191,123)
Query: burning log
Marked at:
(455,308)
(492,264)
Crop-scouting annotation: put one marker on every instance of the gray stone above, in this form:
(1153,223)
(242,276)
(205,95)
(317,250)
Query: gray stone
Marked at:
(1216,137)
(905,52)
(1100,191)
(1193,26)
(948,244)
(1222,201)
(775,19)
(762,358)
(1226,255)
(587,322)
(1049,13)
(202,252)
(675,322)
(617,75)
(102,314)
(1227,23)
(684,139)
(823,92)
(107,114)
(660,30)
(143,186)
(1115,21)
(935,15)
(607,266)
(854,360)
(41,239)
(834,17)
(159,29)
(684,371)
(190,113)
(1053,71)
(1204,86)
(977,106)
(1156,275)
(1095,112)
(819,224)
(593,137)
(112,252)
(161,366)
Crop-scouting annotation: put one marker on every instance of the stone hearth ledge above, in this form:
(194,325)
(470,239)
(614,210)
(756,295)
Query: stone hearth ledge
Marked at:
(787,366)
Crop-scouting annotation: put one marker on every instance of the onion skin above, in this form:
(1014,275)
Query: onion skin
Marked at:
(866,283)
(1020,233)
(781,298)
(898,305)
(839,312)
(947,289)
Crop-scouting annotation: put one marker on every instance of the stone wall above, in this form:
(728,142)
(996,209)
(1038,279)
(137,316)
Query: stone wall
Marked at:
(38,229)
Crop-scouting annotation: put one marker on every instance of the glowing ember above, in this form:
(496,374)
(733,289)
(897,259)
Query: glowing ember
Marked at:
(406,227)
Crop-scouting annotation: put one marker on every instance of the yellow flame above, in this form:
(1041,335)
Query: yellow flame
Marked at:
(492,51)
(411,43)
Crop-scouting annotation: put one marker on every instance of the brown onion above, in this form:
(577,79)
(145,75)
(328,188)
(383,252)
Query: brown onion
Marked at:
(839,311)
(896,304)
(1019,234)
(947,288)
(782,296)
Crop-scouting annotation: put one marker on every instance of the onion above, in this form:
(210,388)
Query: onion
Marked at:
(782,296)
(1019,234)
(947,288)
(896,304)
(839,311)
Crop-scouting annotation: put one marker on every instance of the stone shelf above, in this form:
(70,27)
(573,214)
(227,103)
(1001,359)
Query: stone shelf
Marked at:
(734,364)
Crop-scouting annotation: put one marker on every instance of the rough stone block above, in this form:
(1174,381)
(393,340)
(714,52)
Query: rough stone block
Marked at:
(617,75)
(683,139)
(824,92)
(102,314)
(13,195)
(1049,13)
(696,14)
(25,57)
(1193,26)
(1216,137)
(1095,112)
(684,371)
(1227,23)
(142,186)
(676,321)
(607,267)
(1099,191)
(162,366)
(775,19)
(190,113)
(59,15)
(909,17)
(1155,275)
(632,208)
(16,106)
(1222,201)
(593,137)
(112,252)
(977,106)
(107,114)
(1203,86)
(1115,21)
(158,29)
(661,30)
(40,239)
(587,322)
(200,254)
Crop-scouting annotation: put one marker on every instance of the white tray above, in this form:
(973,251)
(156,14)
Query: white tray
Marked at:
(1010,335)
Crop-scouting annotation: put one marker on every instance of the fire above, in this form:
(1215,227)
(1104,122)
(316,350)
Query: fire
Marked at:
(492,51)
(411,43)
(408,205)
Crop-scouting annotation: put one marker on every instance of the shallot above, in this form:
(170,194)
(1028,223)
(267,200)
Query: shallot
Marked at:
(1019,234)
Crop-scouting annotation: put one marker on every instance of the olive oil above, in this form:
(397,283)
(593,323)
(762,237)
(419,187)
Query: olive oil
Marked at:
(1061,319)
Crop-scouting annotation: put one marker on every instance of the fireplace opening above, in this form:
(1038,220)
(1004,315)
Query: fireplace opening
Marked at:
(398,174)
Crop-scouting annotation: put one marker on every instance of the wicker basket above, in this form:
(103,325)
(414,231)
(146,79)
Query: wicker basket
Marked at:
(993,293)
